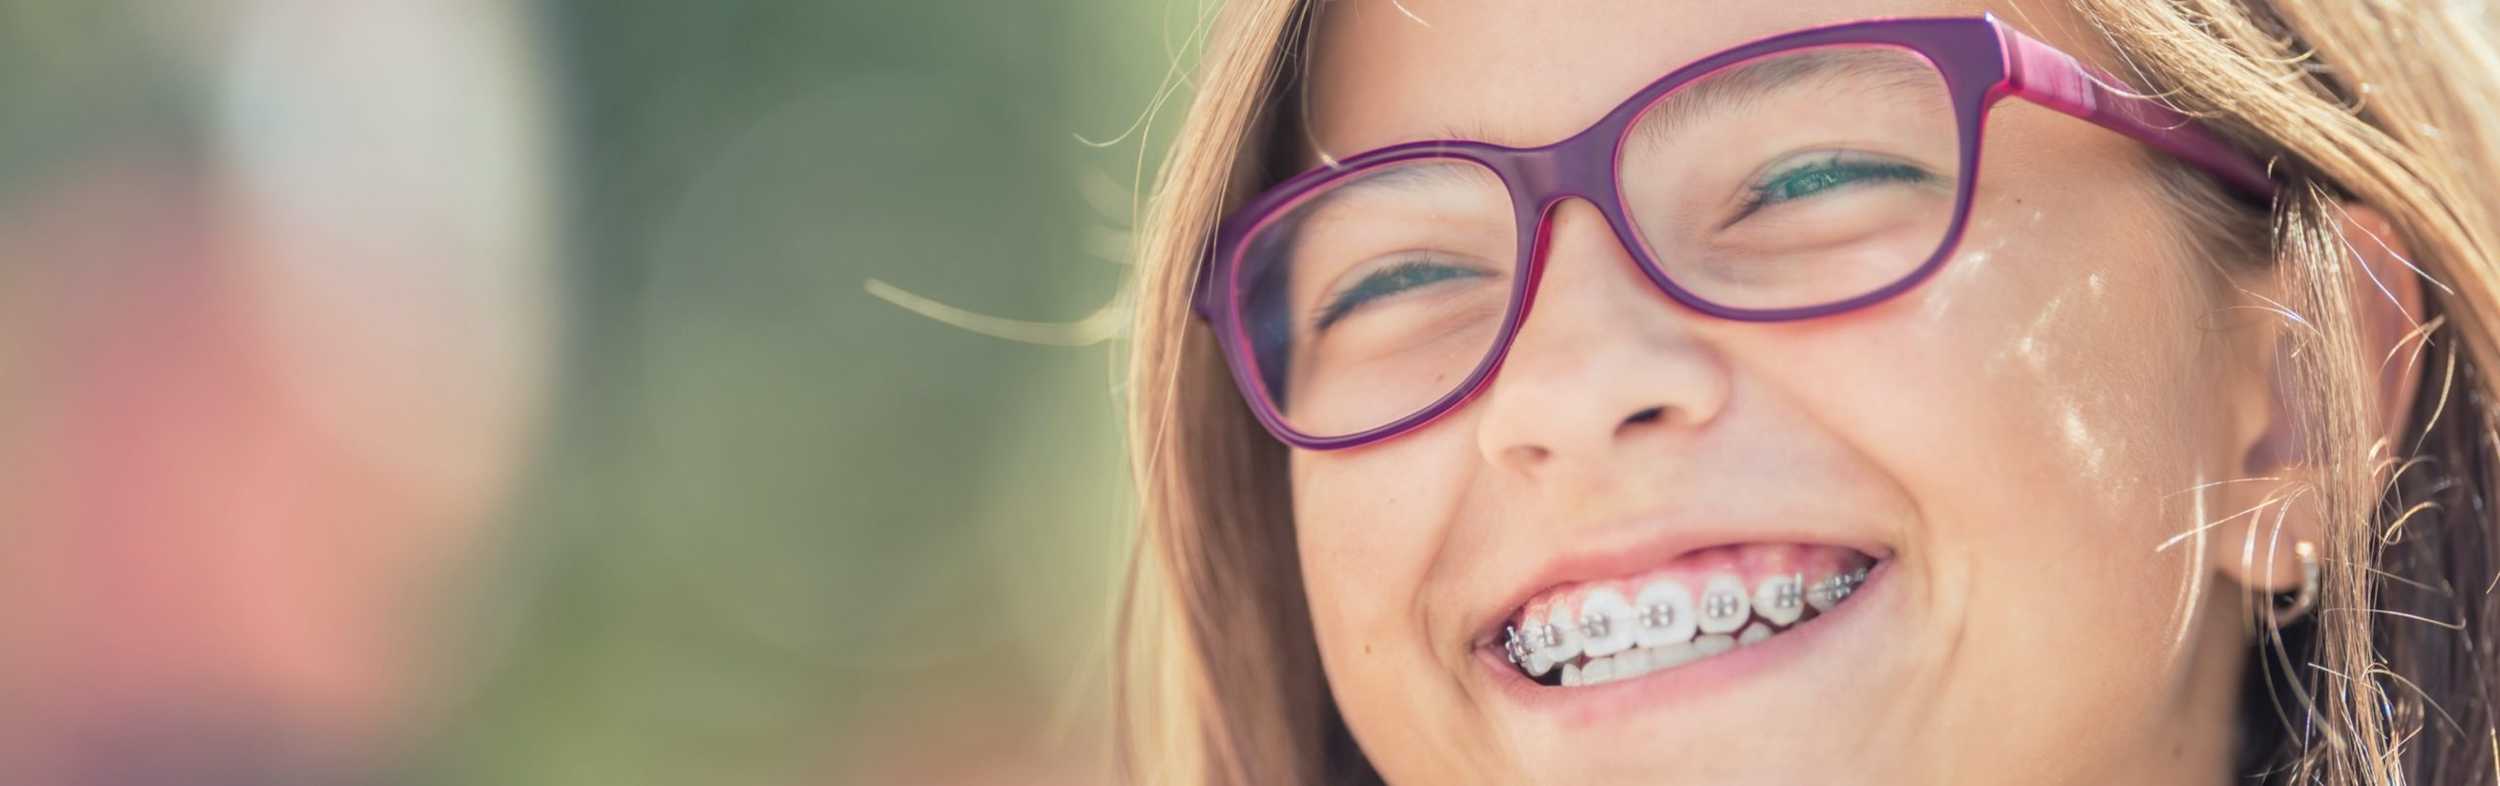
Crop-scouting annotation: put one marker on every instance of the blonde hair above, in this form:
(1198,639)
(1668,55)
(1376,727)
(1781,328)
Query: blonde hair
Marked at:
(2390,104)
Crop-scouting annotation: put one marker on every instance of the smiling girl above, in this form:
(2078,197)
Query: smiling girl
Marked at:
(1846,391)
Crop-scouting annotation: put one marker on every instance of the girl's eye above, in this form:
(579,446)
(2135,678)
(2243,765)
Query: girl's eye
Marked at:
(1387,281)
(1837,171)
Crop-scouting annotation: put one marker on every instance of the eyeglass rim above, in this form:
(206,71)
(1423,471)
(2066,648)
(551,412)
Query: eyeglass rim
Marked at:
(1981,59)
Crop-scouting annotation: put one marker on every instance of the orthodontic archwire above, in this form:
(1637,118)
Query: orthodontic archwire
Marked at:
(1518,644)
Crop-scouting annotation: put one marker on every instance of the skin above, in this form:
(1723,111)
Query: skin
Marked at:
(2025,432)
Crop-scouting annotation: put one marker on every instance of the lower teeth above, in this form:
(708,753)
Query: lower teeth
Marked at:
(1638,661)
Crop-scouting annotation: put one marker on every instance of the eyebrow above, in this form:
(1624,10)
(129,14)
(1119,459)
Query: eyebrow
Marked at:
(1733,88)
(1721,91)
(1426,175)
(1717,92)
(1312,155)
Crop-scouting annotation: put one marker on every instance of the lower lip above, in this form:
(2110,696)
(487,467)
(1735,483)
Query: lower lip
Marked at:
(1577,708)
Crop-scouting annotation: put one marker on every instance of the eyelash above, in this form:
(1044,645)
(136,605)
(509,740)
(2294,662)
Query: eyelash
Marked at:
(1413,273)
(1407,275)
(1759,195)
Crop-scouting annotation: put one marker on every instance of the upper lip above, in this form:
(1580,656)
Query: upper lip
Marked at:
(1651,541)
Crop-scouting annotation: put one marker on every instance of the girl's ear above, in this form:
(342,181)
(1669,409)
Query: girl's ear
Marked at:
(2390,310)
(2387,304)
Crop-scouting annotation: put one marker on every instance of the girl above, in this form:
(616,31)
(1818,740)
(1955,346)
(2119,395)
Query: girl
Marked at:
(1864,391)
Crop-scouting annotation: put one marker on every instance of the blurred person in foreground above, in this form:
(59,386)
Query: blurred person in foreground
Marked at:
(271,348)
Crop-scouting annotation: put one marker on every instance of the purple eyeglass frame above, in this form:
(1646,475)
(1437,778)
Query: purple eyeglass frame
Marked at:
(1981,59)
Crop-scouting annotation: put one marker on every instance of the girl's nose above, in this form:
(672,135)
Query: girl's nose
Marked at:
(1603,358)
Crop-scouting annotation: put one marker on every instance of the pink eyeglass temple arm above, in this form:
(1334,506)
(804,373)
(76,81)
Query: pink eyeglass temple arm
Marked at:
(2043,75)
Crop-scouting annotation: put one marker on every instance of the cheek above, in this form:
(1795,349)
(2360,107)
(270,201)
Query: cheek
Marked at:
(2074,376)
(1368,525)
(2065,378)
(1374,530)
(2050,401)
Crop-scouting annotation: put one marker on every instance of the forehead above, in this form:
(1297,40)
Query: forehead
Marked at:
(1527,73)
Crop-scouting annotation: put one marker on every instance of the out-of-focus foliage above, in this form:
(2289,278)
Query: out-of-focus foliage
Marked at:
(786,532)
(763,527)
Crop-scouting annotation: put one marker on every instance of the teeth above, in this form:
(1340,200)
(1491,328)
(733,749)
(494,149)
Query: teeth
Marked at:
(1635,658)
(1610,639)
(1670,607)
(1634,663)
(1672,655)
(1753,633)
(1606,624)
(1831,591)
(1537,664)
(1599,671)
(1780,599)
(1821,598)
(1559,636)
(1723,605)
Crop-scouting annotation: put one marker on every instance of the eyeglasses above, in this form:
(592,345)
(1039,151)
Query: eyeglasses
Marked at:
(1798,176)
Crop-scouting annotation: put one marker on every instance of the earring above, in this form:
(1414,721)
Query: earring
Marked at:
(2281,612)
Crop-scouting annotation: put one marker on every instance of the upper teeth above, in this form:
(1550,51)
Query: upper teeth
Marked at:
(1666,614)
(1660,618)
(1597,623)
(1514,647)
(1562,640)
(1723,605)
(1831,591)
(1780,599)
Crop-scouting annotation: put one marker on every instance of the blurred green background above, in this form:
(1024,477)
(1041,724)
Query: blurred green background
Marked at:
(789,530)
(758,526)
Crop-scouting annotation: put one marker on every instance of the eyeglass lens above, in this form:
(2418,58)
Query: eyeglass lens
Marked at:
(1797,179)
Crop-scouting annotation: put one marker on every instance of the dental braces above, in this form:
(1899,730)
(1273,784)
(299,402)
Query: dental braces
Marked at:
(1721,605)
(1839,587)
(1517,646)
(1789,595)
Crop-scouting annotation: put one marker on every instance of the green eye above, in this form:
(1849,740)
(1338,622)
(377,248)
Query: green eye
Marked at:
(1387,281)
(1827,174)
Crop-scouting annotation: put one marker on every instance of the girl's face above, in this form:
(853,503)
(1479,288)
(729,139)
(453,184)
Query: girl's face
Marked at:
(2010,451)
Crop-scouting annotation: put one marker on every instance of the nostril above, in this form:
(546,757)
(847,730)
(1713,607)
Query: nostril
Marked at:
(1650,415)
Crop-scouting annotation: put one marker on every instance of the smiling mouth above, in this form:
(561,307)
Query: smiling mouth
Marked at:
(1596,633)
